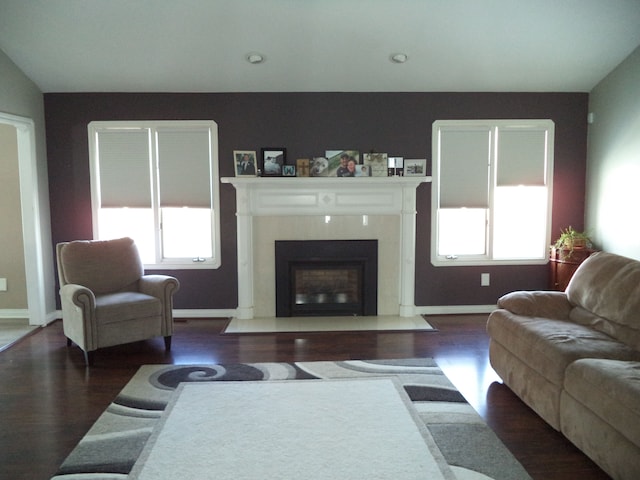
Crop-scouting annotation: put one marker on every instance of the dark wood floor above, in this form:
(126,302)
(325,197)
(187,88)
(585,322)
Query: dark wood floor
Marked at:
(48,399)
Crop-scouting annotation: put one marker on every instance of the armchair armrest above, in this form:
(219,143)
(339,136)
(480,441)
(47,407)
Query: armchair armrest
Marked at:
(78,295)
(159,286)
(78,311)
(537,303)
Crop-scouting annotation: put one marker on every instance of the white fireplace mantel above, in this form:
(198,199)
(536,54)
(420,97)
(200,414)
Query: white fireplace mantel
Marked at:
(286,196)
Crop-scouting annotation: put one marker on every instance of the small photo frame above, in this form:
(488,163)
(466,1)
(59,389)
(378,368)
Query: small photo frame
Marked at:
(377,163)
(303,167)
(272,161)
(415,167)
(320,167)
(363,171)
(245,163)
(395,166)
(289,170)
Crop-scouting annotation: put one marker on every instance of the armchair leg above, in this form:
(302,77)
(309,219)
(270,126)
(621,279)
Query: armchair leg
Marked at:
(89,357)
(167,343)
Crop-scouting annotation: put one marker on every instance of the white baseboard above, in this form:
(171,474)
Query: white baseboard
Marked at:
(204,313)
(454,309)
(231,312)
(9,313)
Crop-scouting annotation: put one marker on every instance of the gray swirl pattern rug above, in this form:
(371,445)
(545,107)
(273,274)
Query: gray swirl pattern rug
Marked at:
(112,445)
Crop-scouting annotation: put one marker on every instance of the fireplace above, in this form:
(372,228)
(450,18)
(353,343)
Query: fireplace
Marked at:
(327,208)
(326,277)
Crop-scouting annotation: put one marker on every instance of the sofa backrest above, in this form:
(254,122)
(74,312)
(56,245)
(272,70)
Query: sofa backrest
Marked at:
(605,291)
(102,266)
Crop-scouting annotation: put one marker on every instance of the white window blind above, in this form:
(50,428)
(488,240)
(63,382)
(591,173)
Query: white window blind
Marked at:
(521,156)
(125,168)
(183,168)
(464,176)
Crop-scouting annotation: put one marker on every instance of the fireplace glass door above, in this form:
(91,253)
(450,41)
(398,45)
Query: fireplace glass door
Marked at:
(326,288)
(326,277)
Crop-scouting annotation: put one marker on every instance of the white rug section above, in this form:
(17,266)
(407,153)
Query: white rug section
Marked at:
(326,324)
(317,430)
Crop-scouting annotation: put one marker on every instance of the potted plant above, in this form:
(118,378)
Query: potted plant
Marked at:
(570,239)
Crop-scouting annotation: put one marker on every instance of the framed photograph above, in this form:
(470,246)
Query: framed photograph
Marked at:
(395,166)
(272,161)
(303,167)
(289,170)
(319,167)
(415,167)
(245,163)
(342,163)
(377,163)
(363,171)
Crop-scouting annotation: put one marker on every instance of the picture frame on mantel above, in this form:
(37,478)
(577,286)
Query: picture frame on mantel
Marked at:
(415,167)
(245,163)
(272,160)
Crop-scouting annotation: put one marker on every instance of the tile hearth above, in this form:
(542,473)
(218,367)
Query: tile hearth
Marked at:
(328,324)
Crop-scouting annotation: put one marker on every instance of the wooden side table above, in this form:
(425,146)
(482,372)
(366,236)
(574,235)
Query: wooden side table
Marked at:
(563,263)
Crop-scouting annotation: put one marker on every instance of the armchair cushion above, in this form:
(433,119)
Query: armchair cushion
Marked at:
(123,306)
(102,266)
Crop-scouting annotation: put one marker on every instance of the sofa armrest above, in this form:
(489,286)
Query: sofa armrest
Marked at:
(537,303)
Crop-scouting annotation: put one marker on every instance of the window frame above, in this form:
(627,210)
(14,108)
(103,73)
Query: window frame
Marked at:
(494,127)
(152,127)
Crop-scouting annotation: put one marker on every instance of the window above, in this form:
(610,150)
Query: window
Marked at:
(491,192)
(157,182)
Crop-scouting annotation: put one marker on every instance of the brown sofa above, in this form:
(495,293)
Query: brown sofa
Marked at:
(574,358)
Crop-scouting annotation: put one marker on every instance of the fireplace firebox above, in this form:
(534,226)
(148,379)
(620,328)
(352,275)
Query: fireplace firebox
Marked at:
(326,277)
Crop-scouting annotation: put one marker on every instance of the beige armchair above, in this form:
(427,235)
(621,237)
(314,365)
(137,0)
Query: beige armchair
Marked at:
(106,298)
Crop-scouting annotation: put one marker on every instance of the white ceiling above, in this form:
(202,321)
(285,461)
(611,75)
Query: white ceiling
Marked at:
(318,45)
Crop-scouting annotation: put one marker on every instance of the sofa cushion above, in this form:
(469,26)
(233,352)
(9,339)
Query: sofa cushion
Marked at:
(102,266)
(549,346)
(611,390)
(608,286)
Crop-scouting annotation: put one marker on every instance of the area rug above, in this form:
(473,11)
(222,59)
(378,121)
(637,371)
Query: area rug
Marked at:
(375,323)
(351,429)
(116,440)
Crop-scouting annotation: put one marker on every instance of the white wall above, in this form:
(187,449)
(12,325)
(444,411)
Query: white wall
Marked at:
(613,164)
(19,96)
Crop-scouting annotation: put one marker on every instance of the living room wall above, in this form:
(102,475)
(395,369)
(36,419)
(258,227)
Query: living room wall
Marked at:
(614,160)
(307,124)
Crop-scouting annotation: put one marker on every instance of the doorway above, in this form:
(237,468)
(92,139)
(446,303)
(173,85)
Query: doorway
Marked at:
(30,214)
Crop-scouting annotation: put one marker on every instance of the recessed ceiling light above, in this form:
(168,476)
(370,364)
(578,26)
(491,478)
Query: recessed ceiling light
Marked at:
(399,57)
(255,58)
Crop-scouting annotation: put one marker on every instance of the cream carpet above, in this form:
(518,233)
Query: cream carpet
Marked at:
(319,429)
(115,442)
(328,324)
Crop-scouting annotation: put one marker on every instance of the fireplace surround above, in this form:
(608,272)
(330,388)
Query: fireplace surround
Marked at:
(281,208)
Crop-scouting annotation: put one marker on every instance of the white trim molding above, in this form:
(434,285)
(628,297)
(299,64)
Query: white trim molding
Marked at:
(454,309)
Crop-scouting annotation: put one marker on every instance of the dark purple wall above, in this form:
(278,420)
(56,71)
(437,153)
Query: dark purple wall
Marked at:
(307,124)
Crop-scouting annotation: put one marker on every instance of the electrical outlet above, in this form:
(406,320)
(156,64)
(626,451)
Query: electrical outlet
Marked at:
(3,284)
(485,280)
